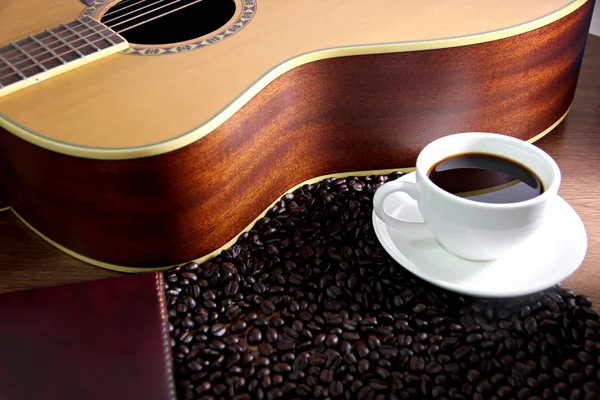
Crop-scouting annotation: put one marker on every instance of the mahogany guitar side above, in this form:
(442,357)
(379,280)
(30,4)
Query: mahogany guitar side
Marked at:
(340,115)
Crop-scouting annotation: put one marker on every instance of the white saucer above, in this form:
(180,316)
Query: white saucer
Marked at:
(543,260)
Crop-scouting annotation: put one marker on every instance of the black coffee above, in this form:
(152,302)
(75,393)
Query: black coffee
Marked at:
(486,178)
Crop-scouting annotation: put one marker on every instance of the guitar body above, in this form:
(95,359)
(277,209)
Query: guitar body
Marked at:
(130,176)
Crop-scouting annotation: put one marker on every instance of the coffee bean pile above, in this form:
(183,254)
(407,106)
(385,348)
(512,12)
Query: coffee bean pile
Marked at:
(307,304)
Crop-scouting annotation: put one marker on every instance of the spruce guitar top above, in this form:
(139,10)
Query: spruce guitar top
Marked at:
(139,134)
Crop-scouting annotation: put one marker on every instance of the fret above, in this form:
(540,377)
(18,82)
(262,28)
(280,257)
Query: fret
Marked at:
(82,37)
(4,68)
(32,58)
(87,21)
(10,66)
(55,51)
(64,42)
(10,54)
(48,50)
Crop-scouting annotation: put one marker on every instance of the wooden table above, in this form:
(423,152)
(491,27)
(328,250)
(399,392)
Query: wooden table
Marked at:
(27,261)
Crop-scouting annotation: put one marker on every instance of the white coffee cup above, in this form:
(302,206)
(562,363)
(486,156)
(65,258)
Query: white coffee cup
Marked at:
(470,229)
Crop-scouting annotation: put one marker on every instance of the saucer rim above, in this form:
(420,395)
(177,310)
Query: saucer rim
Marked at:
(378,225)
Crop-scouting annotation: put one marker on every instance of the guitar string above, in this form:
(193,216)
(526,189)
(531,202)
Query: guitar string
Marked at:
(38,31)
(99,30)
(81,37)
(148,12)
(106,22)
(77,37)
(70,36)
(51,25)
(153,10)
(117,9)
(159,16)
(70,50)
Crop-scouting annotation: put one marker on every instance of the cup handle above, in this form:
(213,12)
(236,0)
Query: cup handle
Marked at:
(384,191)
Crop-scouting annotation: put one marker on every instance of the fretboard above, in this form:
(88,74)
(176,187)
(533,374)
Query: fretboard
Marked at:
(55,51)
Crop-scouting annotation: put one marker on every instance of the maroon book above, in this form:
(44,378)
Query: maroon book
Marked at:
(105,339)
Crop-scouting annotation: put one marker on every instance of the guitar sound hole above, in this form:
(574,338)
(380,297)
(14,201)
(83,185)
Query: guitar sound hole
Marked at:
(155,22)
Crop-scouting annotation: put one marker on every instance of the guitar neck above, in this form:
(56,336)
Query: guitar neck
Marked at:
(55,51)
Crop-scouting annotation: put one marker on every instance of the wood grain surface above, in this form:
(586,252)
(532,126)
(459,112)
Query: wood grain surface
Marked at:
(359,113)
(26,261)
(154,99)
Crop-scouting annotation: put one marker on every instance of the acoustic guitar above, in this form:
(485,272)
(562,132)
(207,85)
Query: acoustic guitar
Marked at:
(141,134)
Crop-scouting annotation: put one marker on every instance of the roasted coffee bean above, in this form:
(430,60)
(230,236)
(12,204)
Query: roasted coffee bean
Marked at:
(195,366)
(301,362)
(218,330)
(297,326)
(281,367)
(263,372)
(377,384)
(365,393)
(350,358)
(361,350)
(530,325)
(417,363)
(363,366)
(584,357)
(333,359)
(303,390)
(288,387)
(373,342)
(305,316)
(251,316)
(248,358)
(331,340)
(274,393)
(326,375)
(267,307)
(462,351)
(433,367)
(406,340)
(271,335)
(317,359)
(265,382)
(296,375)
(336,388)
(350,335)
(319,338)
(238,326)
(452,368)
(254,335)
(277,322)
(475,337)
(345,347)
(335,331)
(217,345)
(473,375)
(285,344)
(309,289)
(388,351)
(382,373)
(438,391)
(232,288)
(590,387)
(266,349)
(420,307)
(418,347)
